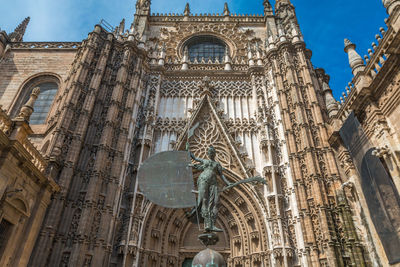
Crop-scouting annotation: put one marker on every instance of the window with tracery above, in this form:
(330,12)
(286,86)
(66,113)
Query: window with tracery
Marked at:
(206,47)
(48,86)
(43,103)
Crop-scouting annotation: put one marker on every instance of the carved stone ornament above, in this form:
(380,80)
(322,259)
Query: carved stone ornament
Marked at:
(234,36)
(27,109)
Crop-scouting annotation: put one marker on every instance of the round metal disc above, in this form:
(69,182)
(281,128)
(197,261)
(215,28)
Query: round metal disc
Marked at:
(167,180)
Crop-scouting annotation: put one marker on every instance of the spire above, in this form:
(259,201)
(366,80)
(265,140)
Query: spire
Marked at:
(267,8)
(122,27)
(143,7)
(355,60)
(330,101)
(27,109)
(390,5)
(18,34)
(226,9)
(187,10)
(141,20)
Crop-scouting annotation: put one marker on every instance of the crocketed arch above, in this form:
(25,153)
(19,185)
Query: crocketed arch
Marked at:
(166,232)
(48,84)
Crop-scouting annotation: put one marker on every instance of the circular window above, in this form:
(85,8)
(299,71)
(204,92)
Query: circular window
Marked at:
(206,47)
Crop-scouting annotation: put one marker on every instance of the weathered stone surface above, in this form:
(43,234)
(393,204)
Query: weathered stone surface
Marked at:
(124,96)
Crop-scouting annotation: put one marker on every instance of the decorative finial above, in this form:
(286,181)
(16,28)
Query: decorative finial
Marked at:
(143,7)
(347,42)
(27,109)
(187,10)
(18,34)
(121,27)
(330,101)
(226,9)
(355,60)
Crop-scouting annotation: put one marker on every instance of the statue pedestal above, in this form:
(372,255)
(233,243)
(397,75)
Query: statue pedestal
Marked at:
(209,239)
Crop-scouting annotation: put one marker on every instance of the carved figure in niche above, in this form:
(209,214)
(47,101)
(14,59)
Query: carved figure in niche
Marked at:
(208,195)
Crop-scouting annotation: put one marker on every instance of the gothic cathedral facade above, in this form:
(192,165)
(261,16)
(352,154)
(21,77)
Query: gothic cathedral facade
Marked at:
(108,103)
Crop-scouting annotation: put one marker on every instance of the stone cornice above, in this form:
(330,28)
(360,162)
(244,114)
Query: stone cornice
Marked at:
(240,18)
(46,45)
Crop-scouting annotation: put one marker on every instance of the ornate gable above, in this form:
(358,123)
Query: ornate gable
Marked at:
(211,130)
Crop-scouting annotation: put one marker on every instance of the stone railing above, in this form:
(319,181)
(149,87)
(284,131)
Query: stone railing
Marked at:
(377,56)
(207,18)
(6,126)
(374,62)
(206,66)
(46,45)
(37,159)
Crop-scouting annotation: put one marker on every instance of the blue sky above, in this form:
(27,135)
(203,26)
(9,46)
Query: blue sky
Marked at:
(324,23)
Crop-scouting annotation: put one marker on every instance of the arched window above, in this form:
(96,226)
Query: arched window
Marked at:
(43,103)
(48,86)
(206,47)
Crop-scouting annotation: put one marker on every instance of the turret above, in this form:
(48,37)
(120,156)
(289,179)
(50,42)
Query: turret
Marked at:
(331,104)
(390,5)
(267,8)
(286,14)
(355,60)
(141,18)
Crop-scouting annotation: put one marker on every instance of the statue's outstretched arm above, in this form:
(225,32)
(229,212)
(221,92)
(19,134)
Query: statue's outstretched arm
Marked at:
(191,154)
(222,175)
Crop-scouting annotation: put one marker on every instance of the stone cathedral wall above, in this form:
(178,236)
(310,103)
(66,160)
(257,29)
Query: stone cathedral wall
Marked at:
(124,96)
(23,64)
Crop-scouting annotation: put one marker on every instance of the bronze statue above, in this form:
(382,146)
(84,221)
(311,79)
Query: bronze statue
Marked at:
(166,179)
(208,195)
(208,191)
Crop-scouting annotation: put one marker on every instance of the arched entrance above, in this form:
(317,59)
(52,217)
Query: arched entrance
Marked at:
(169,238)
